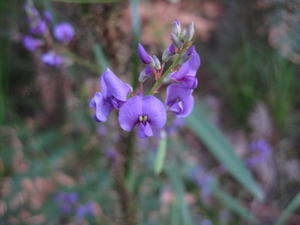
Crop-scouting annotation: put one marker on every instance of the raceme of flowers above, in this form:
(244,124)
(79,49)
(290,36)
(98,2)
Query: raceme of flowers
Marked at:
(146,113)
(42,36)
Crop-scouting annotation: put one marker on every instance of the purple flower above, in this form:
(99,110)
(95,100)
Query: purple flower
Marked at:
(38,27)
(48,17)
(144,56)
(85,210)
(53,59)
(31,43)
(262,151)
(66,201)
(64,32)
(180,100)
(114,94)
(190,67)
(146,112)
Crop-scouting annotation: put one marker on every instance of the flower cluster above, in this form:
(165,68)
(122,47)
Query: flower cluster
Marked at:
(146,112)
(67,203)
(41,36)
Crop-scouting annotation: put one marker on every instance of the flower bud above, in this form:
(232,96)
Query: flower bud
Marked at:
(143,55)
(168,53)
(188,36)
(176,27)
(156,63)
(187,55)
(145,74)
(176,41)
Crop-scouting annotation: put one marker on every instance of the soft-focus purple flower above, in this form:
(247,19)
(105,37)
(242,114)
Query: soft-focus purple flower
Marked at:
(180,100)
(66,201)
(190,67)
(31,43)
(144,56)
(146,112)
(85,210)
(262,151)
(64,32)
(53,59)
(204,181)
(111,154)
(38,27)
(48,17)
(113,94)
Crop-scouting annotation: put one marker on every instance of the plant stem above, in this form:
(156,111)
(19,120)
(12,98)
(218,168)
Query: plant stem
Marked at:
(79,60)
(165,74)
(83,62)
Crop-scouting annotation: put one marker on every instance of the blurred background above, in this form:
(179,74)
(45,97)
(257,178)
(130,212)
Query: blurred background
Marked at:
(235,160)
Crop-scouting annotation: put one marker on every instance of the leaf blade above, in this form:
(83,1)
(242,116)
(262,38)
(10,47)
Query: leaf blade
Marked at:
(219,146)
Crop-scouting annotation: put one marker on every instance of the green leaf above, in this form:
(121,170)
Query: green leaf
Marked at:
(294,204)
(233,204)
(87,1)
(135,21)
(100,57)
(219,146)
(161,153)
(178,185)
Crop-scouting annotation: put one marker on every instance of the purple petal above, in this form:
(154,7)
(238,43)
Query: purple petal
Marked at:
(52,59)
(64,32)
(31,43)
(180,100)
(129,112)
(144,56)
(189,68)
(112,86)
(172,49)
(155,111)
(144,130)
(102,107)
(189,82)
(39,27)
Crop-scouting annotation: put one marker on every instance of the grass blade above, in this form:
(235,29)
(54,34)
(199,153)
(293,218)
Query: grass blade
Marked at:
(219,146)
(233,204)
(293,205)
(161,153)
(180,192)
(100,57)
(135,21)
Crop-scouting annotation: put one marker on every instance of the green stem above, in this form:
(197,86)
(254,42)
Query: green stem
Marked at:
(83,62)
(79,60)
(166,73)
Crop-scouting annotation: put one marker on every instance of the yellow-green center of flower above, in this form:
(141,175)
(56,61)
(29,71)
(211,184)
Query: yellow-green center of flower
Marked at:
(143,119)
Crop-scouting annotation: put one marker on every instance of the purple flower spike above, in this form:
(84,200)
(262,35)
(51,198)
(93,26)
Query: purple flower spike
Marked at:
(144,56)
(64,32)
(114,94)
(190,67)
(31,43)
(39,27)
(180,100)
(146,112)
(53,59)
